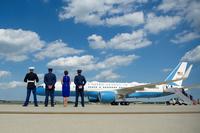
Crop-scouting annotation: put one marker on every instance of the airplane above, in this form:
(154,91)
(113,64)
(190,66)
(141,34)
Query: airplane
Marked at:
(117,93)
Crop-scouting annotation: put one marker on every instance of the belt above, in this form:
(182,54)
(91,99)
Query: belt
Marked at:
(30,81)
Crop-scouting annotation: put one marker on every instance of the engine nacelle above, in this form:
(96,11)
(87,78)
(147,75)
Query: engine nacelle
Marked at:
(107,96)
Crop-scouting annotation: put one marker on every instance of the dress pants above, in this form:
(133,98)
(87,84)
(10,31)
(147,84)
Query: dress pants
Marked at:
(81,93)
(49,92)
(28,96)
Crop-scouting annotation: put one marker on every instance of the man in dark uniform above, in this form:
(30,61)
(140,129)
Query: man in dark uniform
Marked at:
(31,79)
(80,82)
(50,81)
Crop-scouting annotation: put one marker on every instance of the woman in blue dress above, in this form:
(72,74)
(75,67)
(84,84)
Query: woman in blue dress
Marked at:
(65,88)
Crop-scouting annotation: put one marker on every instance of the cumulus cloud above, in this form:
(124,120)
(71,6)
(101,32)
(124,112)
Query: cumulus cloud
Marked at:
(4,74)
(132,19)
(185,36)
(96,42)
(88,62)
(56,49)
(188,9)
(77,62)
(116,61)
(12,85)
(192,14)
(17,44)
(192,55)
(123,41)
(175,5)
(103,12)
(156,24)
(107,75)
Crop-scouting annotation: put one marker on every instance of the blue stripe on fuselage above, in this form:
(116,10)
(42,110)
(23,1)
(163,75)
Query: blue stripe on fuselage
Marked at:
(148,94)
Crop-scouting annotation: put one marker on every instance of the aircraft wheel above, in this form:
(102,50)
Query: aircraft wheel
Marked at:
(115,103)
(127,103)
(122,103)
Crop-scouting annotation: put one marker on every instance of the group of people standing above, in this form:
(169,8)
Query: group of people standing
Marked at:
(31,79)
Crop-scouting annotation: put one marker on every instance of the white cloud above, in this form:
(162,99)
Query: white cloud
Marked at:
(107,75)
(175,5)
(17,44)
(116,61)
(85,62)
(193,13)
(132,19)
(12,85)
(88,62)
(123,41)
(185,36)
(156,24)
(188,9)
(100,12)
(192,55)
(56,49)
(4,74)
(96,42)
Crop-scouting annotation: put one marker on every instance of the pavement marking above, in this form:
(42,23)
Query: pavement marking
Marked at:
(97,113)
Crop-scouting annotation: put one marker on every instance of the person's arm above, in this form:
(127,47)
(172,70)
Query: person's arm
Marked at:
(25,78)
(45,79)
(75,80)
(54,82)
(36,77)
(84,80)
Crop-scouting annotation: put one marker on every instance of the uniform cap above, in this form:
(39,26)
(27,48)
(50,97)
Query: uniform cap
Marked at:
(31,68)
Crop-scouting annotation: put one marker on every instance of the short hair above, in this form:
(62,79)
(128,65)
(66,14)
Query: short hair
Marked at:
(79,71)
(50,69)
(66,72)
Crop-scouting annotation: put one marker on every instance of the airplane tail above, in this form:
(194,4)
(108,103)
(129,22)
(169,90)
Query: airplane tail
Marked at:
(178,73)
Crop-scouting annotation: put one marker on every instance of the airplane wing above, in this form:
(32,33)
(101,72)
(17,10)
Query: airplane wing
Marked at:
(128,90)
(124,91)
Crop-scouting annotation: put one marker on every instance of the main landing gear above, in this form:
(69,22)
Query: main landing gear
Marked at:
(120,103)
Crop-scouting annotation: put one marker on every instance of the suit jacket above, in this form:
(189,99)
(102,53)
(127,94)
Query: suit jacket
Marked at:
(30,78)
(79,80)
(50,79)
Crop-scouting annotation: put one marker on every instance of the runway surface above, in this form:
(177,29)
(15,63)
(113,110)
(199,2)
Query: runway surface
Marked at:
(100,119)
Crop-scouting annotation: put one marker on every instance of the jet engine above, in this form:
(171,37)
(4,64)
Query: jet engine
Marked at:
(107,96)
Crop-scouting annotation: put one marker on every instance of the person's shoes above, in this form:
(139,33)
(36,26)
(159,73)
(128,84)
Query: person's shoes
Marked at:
(24,105)
(52,105)
(45,105)
(75,106)
(36,106)
(83,105)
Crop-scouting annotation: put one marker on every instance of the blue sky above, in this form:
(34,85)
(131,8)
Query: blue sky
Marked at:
(110,40)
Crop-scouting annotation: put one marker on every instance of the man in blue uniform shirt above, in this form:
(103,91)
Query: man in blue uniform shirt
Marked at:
(80,82)
(50,81)
(31,78)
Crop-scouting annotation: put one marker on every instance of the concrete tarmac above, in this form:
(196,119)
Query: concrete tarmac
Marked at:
(100,119)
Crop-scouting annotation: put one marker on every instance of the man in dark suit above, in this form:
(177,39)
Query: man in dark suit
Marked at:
(80,82)
(31,78)
(50,81)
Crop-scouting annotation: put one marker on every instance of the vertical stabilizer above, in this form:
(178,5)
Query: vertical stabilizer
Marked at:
(177,73)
